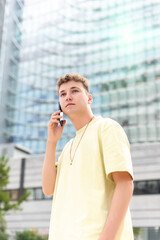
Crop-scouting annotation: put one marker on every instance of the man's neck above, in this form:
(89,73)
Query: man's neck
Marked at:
(80,122)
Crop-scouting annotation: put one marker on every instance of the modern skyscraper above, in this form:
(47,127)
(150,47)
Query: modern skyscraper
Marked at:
(2,10)
(115,44)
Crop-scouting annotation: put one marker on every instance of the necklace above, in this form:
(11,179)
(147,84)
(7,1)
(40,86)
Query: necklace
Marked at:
(78,142)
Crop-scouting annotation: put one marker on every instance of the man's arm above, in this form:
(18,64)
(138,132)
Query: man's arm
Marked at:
(120,202)
(49,171)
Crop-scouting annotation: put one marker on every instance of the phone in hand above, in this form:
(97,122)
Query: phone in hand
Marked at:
(61,114)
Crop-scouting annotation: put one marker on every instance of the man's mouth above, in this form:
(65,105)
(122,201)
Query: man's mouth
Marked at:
(69,104)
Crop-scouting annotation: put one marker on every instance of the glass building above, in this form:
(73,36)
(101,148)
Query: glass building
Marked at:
(115,44)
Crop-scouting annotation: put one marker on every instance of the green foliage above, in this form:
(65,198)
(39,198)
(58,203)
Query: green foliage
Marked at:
(5,199)
(4,236)
(30,235)
(137,232)
(4,172)
(2,224)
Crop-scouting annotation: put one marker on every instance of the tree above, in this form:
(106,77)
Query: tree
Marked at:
(5,199)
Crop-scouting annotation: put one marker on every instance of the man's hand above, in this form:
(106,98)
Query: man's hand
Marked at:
(55,131)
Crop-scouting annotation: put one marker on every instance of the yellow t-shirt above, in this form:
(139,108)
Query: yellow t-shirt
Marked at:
(84,190)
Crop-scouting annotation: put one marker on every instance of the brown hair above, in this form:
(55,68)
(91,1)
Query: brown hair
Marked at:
(73,77)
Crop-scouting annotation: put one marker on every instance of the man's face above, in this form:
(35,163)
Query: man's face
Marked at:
(74,99)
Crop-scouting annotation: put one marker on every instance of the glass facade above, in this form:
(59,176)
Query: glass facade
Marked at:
(115,44)
(2,9)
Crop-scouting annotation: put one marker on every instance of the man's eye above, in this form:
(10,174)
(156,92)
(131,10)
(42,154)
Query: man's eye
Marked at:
(63,94)
(75,90)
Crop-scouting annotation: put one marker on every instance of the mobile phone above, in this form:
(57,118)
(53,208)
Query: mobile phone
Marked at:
(61,114)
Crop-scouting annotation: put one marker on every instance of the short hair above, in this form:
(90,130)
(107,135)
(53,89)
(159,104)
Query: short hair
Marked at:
(73,77)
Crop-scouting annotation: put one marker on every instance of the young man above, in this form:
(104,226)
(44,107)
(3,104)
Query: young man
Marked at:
(93,182)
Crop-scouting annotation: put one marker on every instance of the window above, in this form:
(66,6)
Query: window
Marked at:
(147,187)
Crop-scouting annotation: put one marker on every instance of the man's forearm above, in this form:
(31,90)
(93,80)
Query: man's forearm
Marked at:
(120,202)
(49,169)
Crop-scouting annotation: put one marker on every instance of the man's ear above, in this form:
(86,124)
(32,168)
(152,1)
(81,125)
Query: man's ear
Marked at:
(90,98)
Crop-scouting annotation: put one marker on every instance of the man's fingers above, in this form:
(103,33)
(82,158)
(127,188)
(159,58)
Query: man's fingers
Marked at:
(57,112)
(54,121)
(56,117)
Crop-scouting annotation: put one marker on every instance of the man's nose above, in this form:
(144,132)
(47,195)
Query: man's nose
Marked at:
(68,97)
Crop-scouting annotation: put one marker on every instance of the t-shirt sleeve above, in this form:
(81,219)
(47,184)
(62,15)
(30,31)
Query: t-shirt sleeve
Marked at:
(116,149)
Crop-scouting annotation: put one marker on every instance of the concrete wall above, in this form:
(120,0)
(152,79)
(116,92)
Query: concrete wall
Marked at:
(145,209)
(35,214)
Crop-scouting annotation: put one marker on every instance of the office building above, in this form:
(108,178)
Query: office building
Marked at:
(114,44)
